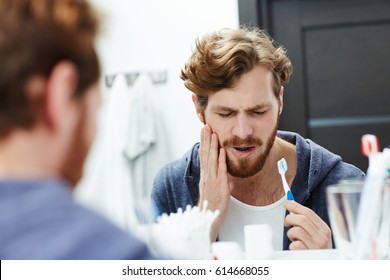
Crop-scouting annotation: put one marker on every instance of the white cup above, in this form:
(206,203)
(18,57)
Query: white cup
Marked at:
(226,250)
(258,241)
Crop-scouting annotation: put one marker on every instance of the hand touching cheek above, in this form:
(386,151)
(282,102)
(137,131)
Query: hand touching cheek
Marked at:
(213,185)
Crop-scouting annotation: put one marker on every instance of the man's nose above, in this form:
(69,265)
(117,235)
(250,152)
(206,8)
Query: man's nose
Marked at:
(242,128)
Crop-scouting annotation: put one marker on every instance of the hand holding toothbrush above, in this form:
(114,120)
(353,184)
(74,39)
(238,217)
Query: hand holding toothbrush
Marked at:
(308,230)
(213,185)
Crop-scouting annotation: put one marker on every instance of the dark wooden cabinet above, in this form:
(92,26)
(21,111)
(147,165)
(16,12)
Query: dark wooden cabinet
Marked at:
(340,50)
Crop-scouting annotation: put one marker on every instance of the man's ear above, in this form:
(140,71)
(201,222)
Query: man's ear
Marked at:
(198,109)
(61,87)
(281,99)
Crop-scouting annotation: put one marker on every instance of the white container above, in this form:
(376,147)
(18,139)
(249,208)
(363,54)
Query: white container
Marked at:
(226,250)
(258,241)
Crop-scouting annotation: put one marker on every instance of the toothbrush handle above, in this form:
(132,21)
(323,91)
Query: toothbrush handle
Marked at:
(285,185)
(290,195)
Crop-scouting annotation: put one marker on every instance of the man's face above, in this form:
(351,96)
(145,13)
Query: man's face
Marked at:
(246,119)
(84,135)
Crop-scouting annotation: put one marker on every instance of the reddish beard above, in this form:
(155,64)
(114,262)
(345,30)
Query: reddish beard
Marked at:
(245,167)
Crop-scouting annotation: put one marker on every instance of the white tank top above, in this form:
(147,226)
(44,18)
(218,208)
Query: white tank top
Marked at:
(240,214)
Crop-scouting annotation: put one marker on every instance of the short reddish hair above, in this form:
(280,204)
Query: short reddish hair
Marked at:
(34,36)
(220,58)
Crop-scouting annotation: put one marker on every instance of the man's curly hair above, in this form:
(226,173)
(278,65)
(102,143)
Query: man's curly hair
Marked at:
(221,57)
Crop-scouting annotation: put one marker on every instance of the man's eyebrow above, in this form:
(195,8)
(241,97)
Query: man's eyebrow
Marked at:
(253,108)
(259,107)
(222,108)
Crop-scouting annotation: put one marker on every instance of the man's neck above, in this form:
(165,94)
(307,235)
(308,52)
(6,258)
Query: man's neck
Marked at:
(265,187)
(24,155)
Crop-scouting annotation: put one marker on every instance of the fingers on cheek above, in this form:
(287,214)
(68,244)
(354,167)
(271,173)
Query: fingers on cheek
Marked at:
(223,161)
(214,142)
(203,138)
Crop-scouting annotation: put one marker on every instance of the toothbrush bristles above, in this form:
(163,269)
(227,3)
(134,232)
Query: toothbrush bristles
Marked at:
(282,166)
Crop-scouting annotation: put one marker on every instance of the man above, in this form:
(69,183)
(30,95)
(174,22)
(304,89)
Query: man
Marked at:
(48,101)
(236,77)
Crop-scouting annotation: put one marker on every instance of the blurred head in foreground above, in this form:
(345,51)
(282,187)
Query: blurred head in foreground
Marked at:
(48,103)
(48,86)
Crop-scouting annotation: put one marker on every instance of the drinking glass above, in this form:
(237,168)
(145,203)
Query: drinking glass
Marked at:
(343,201)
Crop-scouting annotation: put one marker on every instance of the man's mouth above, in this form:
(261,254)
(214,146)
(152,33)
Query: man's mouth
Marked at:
(242,151)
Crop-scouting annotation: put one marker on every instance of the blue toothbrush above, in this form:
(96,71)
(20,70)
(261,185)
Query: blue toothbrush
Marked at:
(282,168)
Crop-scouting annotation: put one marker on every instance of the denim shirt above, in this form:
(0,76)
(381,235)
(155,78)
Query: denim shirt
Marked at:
(40,220)
(177,184)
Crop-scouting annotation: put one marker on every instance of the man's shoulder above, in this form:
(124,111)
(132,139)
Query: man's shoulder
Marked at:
(308,150)
(176,184)
(187,165)
(49,224)
(101,239)
(343,170)
(316,164)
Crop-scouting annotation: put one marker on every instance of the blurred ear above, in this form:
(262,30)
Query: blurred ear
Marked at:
(198,109)
(61,87)
(281,99)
